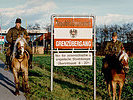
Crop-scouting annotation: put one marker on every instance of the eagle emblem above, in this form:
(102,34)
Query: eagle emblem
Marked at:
(73,33)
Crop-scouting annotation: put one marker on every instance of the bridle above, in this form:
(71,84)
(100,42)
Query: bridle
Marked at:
(15,45)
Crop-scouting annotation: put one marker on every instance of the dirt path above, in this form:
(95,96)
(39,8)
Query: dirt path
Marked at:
(7,85)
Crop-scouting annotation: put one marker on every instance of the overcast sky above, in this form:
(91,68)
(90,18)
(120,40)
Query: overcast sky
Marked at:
(40,11)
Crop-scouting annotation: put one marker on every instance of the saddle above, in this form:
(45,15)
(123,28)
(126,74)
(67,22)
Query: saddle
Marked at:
(108,61)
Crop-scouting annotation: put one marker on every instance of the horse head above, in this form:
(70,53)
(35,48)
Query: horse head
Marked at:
(124,59)
(19,47)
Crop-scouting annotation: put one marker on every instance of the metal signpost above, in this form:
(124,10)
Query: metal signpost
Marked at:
(1,43)
(2,37)
(75,34)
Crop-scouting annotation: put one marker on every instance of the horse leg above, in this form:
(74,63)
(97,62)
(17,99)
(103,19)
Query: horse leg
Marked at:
(23,82)
(114,89)
(16,81)
(108,86)
(120,89)
(26,81)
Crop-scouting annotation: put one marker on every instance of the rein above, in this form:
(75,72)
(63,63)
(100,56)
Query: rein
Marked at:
(20,61)
(21,58)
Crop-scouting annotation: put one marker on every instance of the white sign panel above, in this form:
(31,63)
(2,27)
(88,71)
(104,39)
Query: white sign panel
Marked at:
(75,30)
(72,59)
(66,33)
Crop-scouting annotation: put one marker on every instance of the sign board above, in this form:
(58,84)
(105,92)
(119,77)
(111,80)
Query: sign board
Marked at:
(1,39)
(72,59)
(72,33)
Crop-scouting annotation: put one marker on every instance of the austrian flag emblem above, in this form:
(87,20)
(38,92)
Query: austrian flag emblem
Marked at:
(73,33)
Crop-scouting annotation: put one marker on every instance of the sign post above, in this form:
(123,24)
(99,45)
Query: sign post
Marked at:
(94,59)
(73,33)
(1,42)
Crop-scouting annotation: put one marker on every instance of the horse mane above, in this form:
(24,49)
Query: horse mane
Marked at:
(124,54)
(18,39)
(116,61)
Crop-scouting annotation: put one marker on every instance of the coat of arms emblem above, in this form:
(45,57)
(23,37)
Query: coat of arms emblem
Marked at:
(73,33)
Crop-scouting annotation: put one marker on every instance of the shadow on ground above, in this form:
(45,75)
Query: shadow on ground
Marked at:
(65,84)
(6,80)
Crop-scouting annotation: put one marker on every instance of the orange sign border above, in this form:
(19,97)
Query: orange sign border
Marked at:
(72,22)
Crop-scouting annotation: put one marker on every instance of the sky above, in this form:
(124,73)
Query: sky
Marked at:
(107,12)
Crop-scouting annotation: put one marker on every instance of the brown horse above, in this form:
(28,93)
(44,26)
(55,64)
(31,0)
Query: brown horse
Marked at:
(20,64)
(115,72)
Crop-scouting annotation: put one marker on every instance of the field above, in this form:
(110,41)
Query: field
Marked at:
(71,83)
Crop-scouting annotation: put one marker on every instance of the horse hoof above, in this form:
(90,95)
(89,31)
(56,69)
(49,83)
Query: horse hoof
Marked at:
(17,94)
(27,91)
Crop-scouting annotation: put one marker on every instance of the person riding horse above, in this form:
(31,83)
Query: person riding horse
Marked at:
(112,50)
(11,37)
(115,66)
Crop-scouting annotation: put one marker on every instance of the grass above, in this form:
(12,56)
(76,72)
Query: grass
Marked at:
(84,75)
(70,83)
(64,87)
(2,57)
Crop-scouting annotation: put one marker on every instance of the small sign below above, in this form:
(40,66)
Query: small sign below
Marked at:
(73,59)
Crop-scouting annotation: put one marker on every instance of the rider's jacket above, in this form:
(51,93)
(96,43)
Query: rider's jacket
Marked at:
(113,48)
(13,34)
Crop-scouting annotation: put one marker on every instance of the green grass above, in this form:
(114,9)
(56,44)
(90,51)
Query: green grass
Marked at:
(2,57)
(64,87)
(84,75)
(70,83)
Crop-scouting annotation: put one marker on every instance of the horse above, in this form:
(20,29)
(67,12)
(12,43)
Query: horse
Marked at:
(19,64)
(115,73)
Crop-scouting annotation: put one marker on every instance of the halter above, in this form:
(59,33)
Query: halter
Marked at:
(21,60)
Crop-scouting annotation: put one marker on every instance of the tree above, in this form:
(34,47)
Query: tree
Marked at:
(36,26)
(47,27)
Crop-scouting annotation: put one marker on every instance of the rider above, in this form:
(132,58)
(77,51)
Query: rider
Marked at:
(11,37)
(111,50)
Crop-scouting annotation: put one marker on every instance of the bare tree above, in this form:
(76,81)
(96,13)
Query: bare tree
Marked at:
(30,27)
(47,27)
(36,26)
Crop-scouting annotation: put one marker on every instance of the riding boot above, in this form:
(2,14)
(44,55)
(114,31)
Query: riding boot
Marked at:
(105,65)
(30,61)
(7,63)
(126,81)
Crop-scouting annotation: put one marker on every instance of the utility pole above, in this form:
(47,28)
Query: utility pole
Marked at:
(1,33)
(26,24)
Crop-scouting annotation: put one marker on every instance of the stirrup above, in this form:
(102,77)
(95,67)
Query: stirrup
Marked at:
(6,68)
(30,66)
(126,81)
